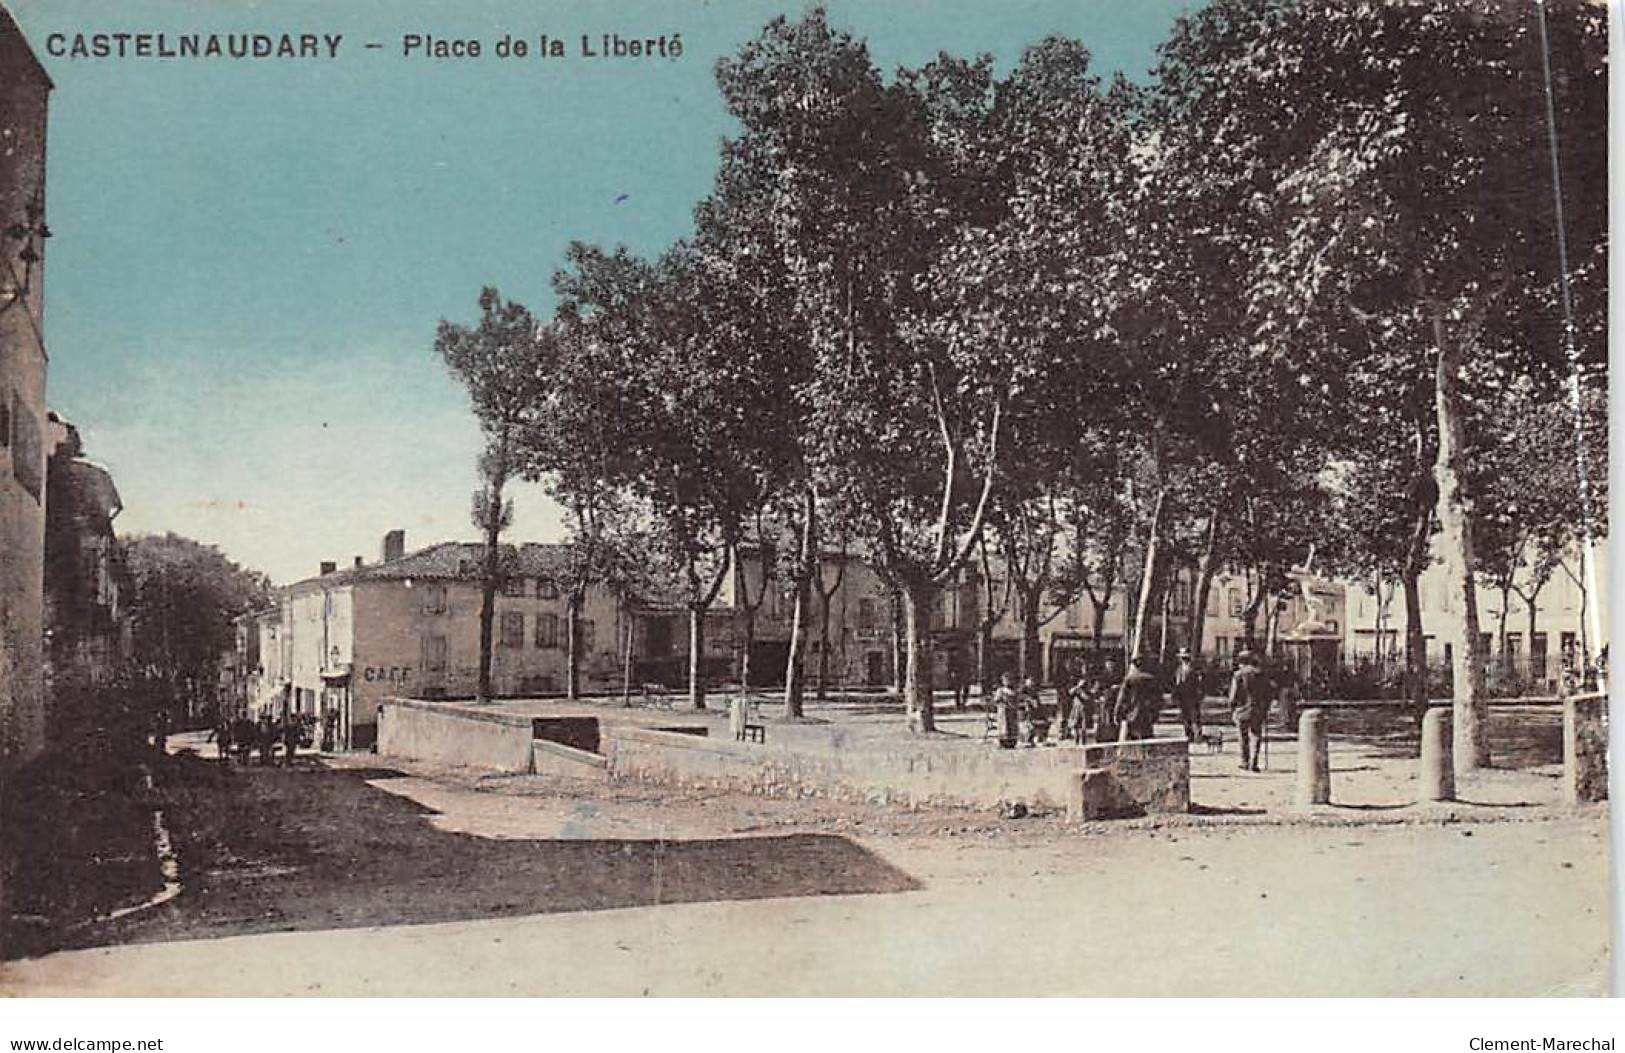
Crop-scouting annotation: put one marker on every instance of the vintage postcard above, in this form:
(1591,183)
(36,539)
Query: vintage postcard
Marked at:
(744,498)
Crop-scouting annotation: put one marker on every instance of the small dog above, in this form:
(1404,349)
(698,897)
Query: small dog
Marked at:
(1214,741)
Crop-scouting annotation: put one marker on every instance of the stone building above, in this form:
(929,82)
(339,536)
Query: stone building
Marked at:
(88,636)
(339,643)
(1533,650)
(24,92)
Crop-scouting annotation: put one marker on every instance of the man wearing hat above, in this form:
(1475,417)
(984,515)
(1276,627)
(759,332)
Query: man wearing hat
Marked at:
(1138,701)
(1188,695)
(1249,705)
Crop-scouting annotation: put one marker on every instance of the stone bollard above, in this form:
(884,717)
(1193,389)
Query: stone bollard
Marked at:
(738,715)
(1438,781)
(1314,767)
(1585,749)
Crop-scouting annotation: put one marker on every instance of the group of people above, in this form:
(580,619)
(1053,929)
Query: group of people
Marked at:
(244,737)
(1109,707)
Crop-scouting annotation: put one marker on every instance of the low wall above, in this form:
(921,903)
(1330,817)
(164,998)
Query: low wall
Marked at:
(956,775)
(1122,779)
(554,758)
(461,737)
(1131,778)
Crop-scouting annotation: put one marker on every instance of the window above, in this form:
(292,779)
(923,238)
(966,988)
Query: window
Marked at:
(1179,604)
(434,599)
(513,629)
(588,635)
(866,613)
(1237,603)
(1221,647)
(514,586)
(1537,656)
(1486,644)
(434,654)
(547,630)
(546,590)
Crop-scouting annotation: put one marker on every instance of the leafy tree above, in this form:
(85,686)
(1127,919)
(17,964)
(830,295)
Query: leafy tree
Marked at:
(1400,154)
(496,360)
(183,597)
(685,399)
(859,184)
(574,443)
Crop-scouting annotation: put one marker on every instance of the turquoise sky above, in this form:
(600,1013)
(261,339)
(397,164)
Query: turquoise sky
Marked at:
(251,255)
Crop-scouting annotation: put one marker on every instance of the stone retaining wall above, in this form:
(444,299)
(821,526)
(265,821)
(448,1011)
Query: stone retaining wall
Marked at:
(1131,778)
(963,775)
(554,758)
(459,737)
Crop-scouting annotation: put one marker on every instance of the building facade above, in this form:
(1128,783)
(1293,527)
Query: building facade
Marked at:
(88,637)
(337,645)
(1537,645)
(24,92)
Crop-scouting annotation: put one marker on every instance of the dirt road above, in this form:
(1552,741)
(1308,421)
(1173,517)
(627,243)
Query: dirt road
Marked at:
(468,885)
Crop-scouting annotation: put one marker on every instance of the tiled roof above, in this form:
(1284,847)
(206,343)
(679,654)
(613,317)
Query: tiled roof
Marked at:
(457,560)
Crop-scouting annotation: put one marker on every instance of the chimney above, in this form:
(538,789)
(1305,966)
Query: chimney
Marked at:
(394,545)
(358,563)
(328,566)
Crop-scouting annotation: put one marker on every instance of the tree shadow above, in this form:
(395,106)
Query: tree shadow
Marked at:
(318,848)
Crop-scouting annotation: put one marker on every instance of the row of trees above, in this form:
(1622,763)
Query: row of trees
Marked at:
(1300,296)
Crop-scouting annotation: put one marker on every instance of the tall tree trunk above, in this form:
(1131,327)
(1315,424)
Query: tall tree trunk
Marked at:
(984,654)
(794,679)
(917,690)
(1206,566)
(1027,648)
(1272,626)
(696,655)
(1471,743)
(1501,629)
(1416,674)
(626,663)
(899,652)
(745,649)
(1249,616)
(1162,642)
(1378,622)
(1148,576)
(572,646)
(1529,602)
(488,606)
(806,567)
(823,644)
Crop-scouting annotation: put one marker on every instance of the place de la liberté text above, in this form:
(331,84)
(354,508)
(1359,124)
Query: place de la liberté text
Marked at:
(124,44)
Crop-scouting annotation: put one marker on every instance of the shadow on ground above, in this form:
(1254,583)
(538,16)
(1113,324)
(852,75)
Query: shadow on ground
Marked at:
(272,850)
